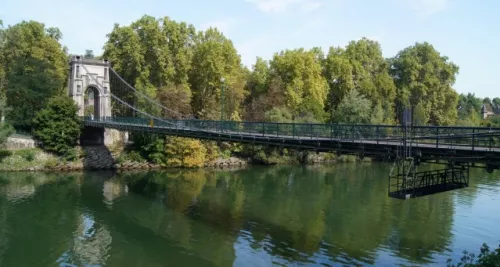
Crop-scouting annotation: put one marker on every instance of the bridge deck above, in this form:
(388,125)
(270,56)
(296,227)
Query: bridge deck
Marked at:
(480,147)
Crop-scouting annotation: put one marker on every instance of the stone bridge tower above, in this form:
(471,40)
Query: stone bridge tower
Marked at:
(90,90)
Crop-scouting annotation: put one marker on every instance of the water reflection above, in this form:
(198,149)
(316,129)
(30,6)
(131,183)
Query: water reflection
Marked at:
(253,217)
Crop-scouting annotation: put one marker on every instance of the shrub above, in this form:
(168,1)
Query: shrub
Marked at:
(185,152)
(51,163)
(486,258)
(27,154)
(58,127)
(4,154)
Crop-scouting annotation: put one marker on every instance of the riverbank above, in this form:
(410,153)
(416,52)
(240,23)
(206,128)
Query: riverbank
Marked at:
(107,158)
(89,158)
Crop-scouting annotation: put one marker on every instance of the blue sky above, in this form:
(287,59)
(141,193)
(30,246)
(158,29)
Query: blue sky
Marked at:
(466,31)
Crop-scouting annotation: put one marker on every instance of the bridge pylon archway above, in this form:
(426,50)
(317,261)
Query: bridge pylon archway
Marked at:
(89,86)
(90,77)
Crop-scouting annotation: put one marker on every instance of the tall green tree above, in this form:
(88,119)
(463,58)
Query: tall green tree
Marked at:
(35,69)
(257,86)
(89,54)
(469,108)
(2,68)
(496,101)
(354,108)
(338,73)
(58,126)
(155,57)
(361,65)
(371,75)
(216,66)
(424,77)
(303,86)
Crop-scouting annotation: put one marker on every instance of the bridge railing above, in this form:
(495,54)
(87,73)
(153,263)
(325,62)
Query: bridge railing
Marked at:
(420,135)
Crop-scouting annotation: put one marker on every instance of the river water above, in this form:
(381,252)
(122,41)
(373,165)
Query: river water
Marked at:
(259,216)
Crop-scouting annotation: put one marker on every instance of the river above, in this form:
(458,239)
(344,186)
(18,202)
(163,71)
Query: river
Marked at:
(259,216)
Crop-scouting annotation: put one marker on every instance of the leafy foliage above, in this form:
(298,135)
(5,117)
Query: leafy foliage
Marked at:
(486,257)
(185,152)
(57,126)
(354,108)
(35,66)
(303,86)
(425,78)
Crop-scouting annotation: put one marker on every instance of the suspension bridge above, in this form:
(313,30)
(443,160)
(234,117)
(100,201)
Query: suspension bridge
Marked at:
(116,104)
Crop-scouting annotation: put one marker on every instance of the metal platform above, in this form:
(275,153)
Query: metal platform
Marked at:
(412,184)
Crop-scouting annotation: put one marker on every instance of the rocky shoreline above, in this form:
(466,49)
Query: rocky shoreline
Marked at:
(96,158)
(101,158)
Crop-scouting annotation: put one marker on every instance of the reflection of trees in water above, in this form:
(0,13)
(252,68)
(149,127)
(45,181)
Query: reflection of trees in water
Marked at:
(289,209)
(421,228)
(180,191)
(19,186)
(4,241)
(292,212)
(358,213)
(40,226)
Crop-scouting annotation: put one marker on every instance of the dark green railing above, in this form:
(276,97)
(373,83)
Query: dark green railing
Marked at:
(439,135)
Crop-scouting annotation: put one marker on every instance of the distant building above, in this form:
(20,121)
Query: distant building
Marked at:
(488,110)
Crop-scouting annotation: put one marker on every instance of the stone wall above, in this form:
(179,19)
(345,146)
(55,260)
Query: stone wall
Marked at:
(14,143)
(112,136)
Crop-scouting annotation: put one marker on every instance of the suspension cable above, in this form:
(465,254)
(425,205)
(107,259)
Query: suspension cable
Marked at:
(144,95)
(123,102)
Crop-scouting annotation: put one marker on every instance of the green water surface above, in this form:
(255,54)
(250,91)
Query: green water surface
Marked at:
(259,216)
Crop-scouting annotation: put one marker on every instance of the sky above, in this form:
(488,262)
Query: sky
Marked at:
(466,31)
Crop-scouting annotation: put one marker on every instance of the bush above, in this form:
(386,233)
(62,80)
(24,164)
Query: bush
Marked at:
(4,154)
(27,154)
(485,258)
(58,127)
(51,163)
(185,152)
(133,156)
(5,131)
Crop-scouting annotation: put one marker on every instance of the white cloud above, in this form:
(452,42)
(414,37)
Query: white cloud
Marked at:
(279,6)
(223,25)
(427,7)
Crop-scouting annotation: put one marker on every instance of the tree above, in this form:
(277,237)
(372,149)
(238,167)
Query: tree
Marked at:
(54,33)
(214,58)
(278,114)
(152,71)
(89,54)
(425,77)
(304,88)
(361,65)
(58,126)
(496,101)
(469,108)
(354,108)
(36,68)
(5,128)
(2,68)
(338,73)
(257,86)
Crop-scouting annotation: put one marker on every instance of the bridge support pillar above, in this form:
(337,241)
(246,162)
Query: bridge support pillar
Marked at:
(112,136)
(100,136)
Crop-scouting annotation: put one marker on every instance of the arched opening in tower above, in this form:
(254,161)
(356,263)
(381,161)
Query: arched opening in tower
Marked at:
(92,102)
